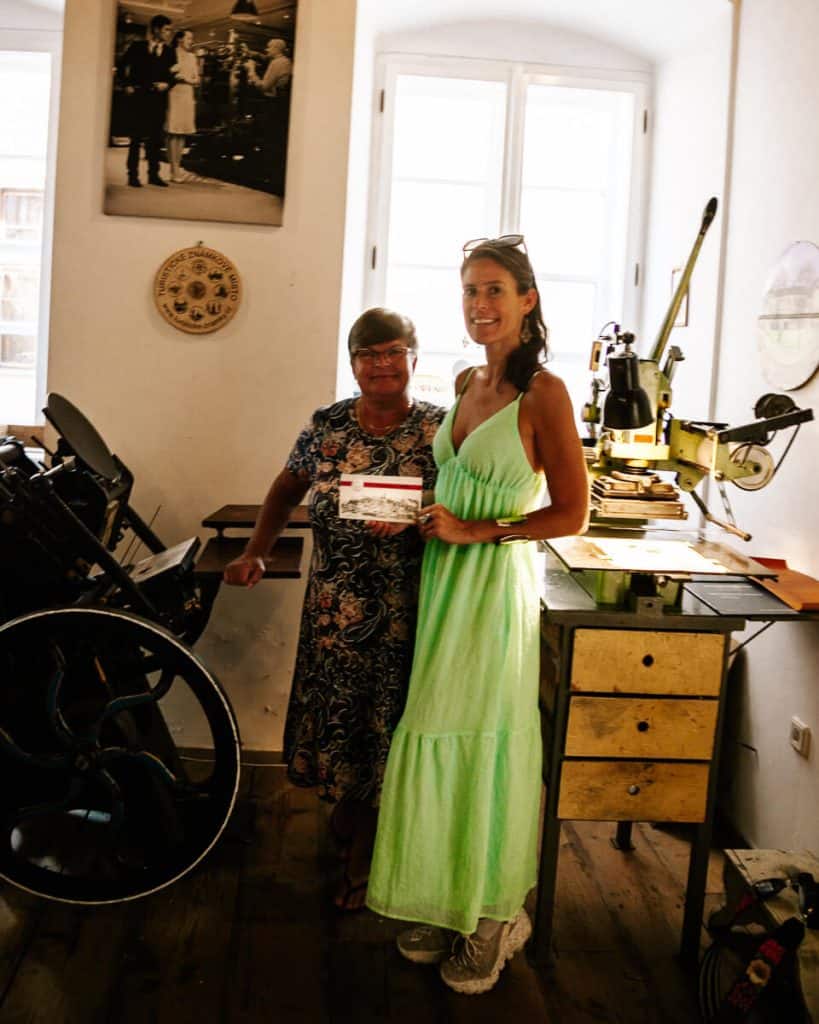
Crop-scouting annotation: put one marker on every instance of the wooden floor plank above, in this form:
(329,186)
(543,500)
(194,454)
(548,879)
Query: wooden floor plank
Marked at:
(645,904)
(414,991)
(252,937)
(587,987)
(174,955)
(672,844)
(19,917)
(276,965)
(68,971)
(580,920)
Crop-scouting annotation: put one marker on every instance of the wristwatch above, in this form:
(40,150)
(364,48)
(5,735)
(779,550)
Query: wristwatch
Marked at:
(512,538)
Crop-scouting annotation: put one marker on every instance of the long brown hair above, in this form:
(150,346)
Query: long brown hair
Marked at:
(533,351)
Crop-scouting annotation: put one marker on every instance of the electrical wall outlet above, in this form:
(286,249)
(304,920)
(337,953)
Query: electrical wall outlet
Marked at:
(800,736)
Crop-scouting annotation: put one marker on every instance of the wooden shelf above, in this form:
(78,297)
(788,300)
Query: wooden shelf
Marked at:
(238,517)
(284,561)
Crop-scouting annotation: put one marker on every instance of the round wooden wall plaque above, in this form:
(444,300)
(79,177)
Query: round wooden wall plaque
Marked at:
(197,290)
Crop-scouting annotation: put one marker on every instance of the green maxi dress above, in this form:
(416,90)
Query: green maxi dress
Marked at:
(457,829)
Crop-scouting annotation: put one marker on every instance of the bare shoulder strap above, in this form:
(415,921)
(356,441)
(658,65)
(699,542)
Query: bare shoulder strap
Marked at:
(467,379)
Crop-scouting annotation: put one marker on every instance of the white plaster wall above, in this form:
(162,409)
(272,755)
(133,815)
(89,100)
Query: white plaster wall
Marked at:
(209,420)
(362,126)
(774,201)
(19,15)
(688,127)
(526,40)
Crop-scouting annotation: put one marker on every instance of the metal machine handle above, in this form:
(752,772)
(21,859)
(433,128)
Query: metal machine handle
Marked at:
(708,215)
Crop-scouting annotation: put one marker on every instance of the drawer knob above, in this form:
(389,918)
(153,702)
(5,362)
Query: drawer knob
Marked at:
(642,727)
(648,660)
(633,790)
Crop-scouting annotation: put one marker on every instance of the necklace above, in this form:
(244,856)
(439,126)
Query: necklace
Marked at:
(381,428)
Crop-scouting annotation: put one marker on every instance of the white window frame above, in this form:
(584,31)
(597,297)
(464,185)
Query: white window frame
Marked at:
(517,76)
(43,41)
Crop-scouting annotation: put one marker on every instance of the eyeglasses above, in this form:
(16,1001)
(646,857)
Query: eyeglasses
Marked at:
(370,357)
(503,242)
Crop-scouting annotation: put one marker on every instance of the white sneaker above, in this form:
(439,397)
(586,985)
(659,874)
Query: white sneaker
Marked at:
(476,964)
(426,944)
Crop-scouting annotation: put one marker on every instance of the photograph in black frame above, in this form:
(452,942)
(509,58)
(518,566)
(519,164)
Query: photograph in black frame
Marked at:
(200,109)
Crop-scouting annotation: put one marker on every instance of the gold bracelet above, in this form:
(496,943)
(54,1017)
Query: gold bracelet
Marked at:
(511,520)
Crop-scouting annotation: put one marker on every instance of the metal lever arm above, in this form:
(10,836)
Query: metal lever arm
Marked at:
(729,527)
(708,215)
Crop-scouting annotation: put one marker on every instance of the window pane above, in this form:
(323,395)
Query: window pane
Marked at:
(569,136)
(17,349)
(21,214)
(434,379)
(25,87)
(447,178)
(430,221)
(430,297)
(445,128)
(19,294)
(568,310)
(565,231)
(447,172)
(25,84)
(576,186)
(574,372)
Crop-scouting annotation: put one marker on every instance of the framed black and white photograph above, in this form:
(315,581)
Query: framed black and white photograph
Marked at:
(200,109)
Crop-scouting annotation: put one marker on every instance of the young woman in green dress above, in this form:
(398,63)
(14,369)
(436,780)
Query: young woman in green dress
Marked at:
(457,833)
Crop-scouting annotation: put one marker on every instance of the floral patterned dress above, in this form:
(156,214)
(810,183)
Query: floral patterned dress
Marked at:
(358,619)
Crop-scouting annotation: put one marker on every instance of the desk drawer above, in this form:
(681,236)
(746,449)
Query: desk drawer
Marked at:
(632,791)
(641,727)
(637,661)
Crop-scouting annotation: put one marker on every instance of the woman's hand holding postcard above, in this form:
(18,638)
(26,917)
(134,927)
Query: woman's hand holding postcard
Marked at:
(389,499)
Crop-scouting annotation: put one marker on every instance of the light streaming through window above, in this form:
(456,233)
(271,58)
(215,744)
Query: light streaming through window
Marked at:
(521,153)
(25,84)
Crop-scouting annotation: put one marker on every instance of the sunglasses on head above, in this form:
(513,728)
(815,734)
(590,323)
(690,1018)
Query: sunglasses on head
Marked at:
(503,242)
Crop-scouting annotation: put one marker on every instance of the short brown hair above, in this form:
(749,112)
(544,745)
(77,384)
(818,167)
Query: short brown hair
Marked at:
(378,325)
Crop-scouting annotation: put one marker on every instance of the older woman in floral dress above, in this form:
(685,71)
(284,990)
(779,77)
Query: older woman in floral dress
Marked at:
(358,620)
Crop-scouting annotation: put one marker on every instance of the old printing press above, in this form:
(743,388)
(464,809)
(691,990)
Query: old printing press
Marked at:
(97,804)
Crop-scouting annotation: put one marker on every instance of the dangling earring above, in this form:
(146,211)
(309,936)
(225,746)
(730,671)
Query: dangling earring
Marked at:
(525,333)
(466,341)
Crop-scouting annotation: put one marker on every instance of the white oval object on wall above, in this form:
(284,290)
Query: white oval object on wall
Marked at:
(788,334)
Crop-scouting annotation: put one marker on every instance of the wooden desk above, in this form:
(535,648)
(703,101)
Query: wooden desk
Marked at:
(742,869)
(632,707)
